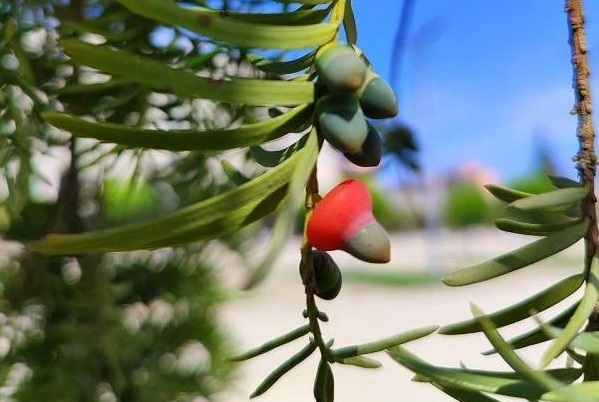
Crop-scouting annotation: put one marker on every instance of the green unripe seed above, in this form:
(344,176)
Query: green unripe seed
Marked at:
(327,274)
(341,122)
(371,152)
(377,98)
(370,244)
(340,68)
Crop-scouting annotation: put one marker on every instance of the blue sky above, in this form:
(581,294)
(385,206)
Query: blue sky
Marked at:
(481,81)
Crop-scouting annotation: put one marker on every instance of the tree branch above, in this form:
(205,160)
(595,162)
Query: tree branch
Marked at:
(586,158)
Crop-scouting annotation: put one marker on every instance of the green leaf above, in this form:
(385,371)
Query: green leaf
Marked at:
(299,17)
(586,391)
(182,140)
(349,24)
(382,344)
(538,335)
(587,341)
(207,219)
(514,361)
(324,384)
(464,395)
(286,217)
(187,84)
(272,344)
(284,368)
(552,201)
(506,194)
(582,313)
(283,67)
(459,378)
(563,182)
(234,31)
(533,229)
(509,355)
(519,258)
(520,311)
(274,158)
(96,88)
(234,175)
(360,361)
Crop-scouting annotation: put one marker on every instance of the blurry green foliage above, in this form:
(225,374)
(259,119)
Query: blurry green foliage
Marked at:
(535,183)
(466,205)
(125,202)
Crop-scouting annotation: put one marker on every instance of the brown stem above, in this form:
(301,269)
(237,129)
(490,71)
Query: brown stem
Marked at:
(586,158)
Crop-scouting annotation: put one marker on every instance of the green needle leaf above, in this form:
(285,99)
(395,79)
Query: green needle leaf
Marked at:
(284,368)
(207,219)
(349,24)
(282,67)
(360,361)
(506,194)
(508,354)
(587,341)
(286,217)
(586,391)
(235,31)
(299,17)
(514,361)
(518,258)
(377,346)
(538,335)
(533,229)
(464,395)
(462,379)
(585,308)
(274,158)
(324,384)
(563,182)
(552,201)
(234,175)
(187,84)
(520,311)
(272,344)
(182,140)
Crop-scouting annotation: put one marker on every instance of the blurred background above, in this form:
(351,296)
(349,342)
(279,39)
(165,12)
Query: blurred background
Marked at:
(485,94)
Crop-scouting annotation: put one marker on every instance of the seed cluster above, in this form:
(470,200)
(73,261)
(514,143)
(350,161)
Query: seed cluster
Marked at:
(343,219)
(353,92)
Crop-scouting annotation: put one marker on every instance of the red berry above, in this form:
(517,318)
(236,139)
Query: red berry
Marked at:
(340,215)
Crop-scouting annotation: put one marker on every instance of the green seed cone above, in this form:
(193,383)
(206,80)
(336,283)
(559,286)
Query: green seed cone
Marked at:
(341,122)
(371,152)
(377,98)
(340,68)
(371,244)
(328,275)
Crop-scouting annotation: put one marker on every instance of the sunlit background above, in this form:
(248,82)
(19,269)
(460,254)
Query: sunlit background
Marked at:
(485,94)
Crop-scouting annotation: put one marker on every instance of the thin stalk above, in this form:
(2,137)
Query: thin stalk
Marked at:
(307,268)
(586,158)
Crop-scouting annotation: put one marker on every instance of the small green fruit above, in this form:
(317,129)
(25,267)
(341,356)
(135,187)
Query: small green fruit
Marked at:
(377,98)
(341,122)
(327,274)
(340,68)
(371,152)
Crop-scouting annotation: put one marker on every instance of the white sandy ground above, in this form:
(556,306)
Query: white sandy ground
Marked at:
(363,313)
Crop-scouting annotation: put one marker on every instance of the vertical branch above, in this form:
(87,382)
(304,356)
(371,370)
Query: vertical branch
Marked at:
(586,158)
(307,268)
